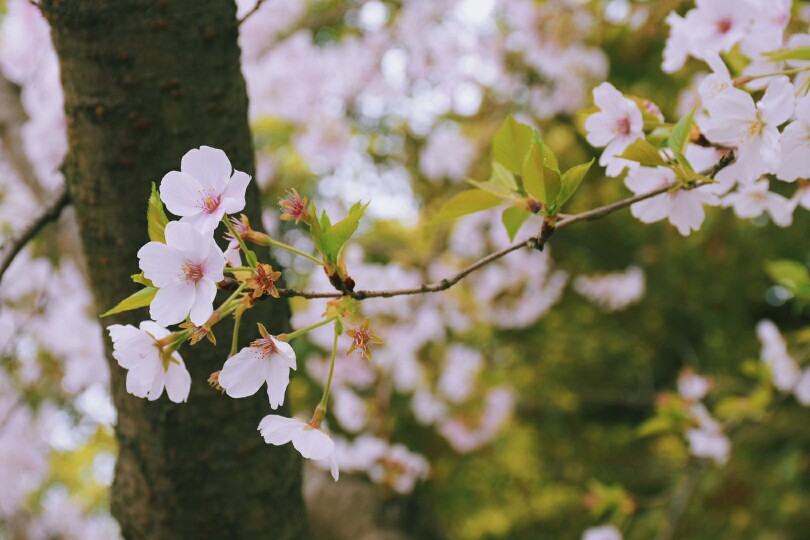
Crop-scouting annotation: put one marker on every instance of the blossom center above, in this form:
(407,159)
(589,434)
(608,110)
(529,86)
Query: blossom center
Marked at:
(754,129)
(209,201)
(623,126)
(266,346)
(724,25)
(192,272)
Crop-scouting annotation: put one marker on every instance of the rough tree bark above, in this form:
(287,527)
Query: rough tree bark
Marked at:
(145,81)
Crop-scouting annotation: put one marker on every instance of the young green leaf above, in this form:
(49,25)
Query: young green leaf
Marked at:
(570,181)
(142,280)
(513,219)
(680,133)
(796,53)
(541,175)
(466,202)
(156,219)
(644,153)
(510,144)
(140,299)
(502,183)
(335,236)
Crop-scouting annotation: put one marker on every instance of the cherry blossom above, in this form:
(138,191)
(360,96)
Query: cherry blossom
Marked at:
(784,370)
(604,532)
(186,269)
(710,444)
(204,189)
(795,148)
(149,369)
(751,201)
(682,207)
(692,386)
(615,127)
(735,120)
(265,360)
(612,291)
(311,442)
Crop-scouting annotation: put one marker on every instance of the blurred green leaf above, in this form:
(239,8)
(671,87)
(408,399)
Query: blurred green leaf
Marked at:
(510,144)
(643,152)
(140,299)
(156,219)
(513,219)
(466,202)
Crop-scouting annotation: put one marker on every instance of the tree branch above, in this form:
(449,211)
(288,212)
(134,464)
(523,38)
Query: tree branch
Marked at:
(537,242)
(253,10)
(15,244)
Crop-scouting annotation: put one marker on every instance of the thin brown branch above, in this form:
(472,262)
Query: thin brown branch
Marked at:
(537,242)
(253,10)
(15,244)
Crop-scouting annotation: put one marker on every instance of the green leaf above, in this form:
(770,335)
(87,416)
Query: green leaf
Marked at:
(680,133)
(315,231)
(510,144)
(513,219)
(502,182)
(796,53)
(335,236)
(156,219)
(541,177)
(570,181)
(140,299)
(141,280)
(466,202)
(789,274)
(533,181)
(644,153)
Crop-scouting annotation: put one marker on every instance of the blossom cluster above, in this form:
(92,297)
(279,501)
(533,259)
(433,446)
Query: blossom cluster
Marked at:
(757,122)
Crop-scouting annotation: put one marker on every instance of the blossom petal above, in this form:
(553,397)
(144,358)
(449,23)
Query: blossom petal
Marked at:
(313,443)
(285,352)
(181,193)
(244,373)
(178,380)
(778,102)
(233,198)
(203,307)
(210,166)
(172,303)
(279,430)
(185,238)
(278,378)
(160,263)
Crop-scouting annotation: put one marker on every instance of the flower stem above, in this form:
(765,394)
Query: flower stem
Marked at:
(302,331)
(229,225)
(234,269)
(234,342)
(281,245)
(325,398)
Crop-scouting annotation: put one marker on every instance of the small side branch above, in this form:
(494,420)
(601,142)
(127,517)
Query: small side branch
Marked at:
(15,244)
(536,242)
(253,10)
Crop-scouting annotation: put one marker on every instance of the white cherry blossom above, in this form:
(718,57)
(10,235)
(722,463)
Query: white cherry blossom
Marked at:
(204,189)
(784,370)
(795,159)
(682,207)
(692,386)
(709,444)
(751,201)
(266,360)
(311,442)
(603,532)
(735,120)
(149,370)
(186,269)
(615,127)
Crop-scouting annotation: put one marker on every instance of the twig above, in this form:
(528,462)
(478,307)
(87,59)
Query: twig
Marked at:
(13,246)
(251,12)
(537,242)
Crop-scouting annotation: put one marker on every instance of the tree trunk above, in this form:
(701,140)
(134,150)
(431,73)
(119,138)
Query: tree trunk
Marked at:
(144,82)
